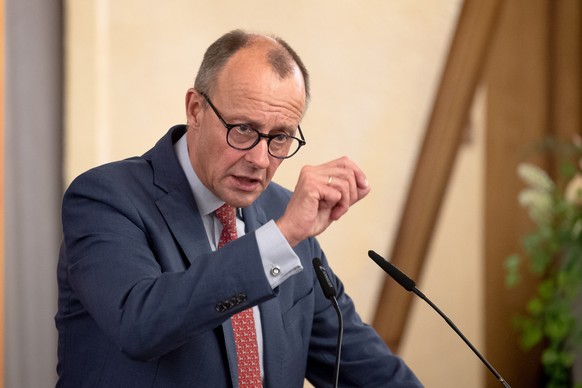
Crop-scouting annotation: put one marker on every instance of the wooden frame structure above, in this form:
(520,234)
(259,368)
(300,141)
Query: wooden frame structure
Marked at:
(462,74)
(528,55)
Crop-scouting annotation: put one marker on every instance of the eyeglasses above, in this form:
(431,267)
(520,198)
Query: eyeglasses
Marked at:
(244,137)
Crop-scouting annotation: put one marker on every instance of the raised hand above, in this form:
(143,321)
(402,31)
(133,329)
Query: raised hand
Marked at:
(323,194)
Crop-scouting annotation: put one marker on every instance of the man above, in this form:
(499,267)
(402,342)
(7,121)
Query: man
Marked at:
(155,292)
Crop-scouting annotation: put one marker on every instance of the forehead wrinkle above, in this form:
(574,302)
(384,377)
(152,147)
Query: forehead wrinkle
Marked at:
(262,111)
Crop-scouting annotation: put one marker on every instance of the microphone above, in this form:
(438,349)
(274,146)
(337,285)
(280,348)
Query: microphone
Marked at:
(330,293)
(409,285)
(324,280)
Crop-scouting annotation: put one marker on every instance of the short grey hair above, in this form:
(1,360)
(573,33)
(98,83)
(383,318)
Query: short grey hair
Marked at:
(281,58)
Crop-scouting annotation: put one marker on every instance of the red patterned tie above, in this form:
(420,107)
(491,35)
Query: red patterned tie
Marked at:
(243,323)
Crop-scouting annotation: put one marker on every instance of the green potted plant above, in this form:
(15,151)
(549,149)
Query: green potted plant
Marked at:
(552,252)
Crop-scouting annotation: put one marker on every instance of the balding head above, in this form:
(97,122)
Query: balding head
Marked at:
(282,59)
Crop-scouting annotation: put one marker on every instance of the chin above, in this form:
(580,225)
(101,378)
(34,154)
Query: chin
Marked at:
(241,200)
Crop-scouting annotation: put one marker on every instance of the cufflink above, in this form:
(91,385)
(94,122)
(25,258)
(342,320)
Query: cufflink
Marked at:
(275,270)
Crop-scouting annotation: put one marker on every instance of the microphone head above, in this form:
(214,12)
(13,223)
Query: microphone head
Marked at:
(394,272)
(324,281)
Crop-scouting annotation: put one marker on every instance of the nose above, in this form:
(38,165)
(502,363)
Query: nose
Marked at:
(259,154)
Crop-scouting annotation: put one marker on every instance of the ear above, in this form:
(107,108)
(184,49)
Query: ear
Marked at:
(194,108)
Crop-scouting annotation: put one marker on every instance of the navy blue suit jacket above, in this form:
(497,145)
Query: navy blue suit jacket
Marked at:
(142,297)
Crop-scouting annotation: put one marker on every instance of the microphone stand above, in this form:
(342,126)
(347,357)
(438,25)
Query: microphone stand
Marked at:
(340,334)
(409,285)
(454,327)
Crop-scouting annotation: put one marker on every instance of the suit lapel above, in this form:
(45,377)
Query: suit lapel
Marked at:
(178,206)
(181,214)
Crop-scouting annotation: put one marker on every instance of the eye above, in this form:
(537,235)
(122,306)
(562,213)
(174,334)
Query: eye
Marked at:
(280,138)
(244,129)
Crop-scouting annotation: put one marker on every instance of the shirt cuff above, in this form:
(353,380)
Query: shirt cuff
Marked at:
(279,260)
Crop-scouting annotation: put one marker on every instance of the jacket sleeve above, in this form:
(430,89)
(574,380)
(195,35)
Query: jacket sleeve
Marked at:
(121,265)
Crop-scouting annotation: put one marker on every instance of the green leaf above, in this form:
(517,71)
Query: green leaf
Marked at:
(567,169)
(512,274)
(557,329)
(535,307)
(531,332)
(549,357)
(546,289)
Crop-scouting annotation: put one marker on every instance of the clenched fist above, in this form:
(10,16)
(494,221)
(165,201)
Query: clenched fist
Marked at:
(322,195)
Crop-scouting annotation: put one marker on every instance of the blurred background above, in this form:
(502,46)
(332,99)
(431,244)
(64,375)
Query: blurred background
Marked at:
(436,100)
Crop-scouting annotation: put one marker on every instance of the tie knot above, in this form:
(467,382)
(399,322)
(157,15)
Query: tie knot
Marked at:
(226,214)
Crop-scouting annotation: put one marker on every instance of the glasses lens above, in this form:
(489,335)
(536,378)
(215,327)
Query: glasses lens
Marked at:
(242,137)
(283,146)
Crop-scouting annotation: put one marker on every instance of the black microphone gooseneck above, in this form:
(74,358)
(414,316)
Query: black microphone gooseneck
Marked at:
(409,285)
(330,293)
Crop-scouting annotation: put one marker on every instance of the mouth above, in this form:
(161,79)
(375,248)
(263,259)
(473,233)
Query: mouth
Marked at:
(246,183)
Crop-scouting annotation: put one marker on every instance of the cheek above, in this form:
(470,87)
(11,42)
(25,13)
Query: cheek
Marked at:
(273,166)
(211,157)
(224,160)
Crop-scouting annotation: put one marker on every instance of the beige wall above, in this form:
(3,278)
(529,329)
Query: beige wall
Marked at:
(374,67)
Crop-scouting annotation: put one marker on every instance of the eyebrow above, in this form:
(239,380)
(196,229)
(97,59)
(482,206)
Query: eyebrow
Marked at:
(288,130)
